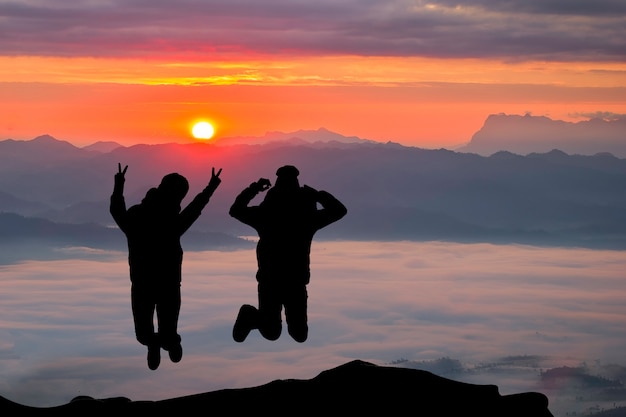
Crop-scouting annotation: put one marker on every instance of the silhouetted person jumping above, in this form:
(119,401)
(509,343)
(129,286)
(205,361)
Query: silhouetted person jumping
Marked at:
(153,230)
(285,221)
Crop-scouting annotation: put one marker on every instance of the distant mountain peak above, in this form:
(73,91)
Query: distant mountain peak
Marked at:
(45,138)
(322,135)
(42,151)
(49,140)
(103,146)
(525,134)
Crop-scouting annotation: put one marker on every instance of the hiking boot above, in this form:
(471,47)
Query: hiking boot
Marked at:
(244,322)
(154,356)
(176,353)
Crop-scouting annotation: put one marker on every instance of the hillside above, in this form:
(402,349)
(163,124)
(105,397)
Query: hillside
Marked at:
(355,388)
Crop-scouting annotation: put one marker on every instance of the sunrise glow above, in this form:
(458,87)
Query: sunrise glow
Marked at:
(389,81)
(479,148)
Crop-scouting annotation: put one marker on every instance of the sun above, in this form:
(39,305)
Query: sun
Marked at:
(203,130)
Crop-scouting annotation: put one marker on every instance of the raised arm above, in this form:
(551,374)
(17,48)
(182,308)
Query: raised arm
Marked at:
(240,210)
(191,213)
(205,195)
(117,206)
(331,211)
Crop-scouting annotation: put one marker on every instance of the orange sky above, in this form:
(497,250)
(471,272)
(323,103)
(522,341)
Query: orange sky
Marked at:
(152,91)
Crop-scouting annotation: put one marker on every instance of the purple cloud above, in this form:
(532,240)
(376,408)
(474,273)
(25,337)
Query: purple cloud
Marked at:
(510,30)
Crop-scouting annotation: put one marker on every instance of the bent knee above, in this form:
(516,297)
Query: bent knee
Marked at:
(271,333)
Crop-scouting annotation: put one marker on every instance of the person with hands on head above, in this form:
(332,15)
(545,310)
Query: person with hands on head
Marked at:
(286,221)
(153,229)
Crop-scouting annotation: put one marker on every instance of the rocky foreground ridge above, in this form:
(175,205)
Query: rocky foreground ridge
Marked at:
(355,387)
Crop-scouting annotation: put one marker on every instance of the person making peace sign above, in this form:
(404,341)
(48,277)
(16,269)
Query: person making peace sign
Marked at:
(153,230)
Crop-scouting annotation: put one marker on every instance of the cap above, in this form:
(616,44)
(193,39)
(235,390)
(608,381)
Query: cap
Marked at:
(287,171)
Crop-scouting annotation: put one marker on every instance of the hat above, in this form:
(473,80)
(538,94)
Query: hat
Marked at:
(287,171)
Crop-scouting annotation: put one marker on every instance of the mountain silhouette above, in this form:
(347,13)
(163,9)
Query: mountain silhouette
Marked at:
(42,152)
(321,135)
(391,191)
(538,134)
(10,203)
(355,388)
(102,146)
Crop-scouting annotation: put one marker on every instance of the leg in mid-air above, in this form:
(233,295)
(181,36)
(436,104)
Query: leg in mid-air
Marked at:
(270,310)
(296,312)
(247,320)
(168,310)
(143,305)
(267,318)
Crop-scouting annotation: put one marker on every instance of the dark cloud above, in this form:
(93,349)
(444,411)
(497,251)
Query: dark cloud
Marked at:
(556,7)
(604,115)
(520,30)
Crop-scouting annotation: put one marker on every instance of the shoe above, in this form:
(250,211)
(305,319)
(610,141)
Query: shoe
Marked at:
(244,321)
(176,353)
(154,356)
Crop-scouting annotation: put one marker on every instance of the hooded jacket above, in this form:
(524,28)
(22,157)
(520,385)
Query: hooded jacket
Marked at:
(153,230)
(286,222)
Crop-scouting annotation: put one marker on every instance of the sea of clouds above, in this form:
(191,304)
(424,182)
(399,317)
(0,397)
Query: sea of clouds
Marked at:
(66,325)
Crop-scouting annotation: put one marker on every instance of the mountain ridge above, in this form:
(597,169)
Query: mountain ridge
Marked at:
(527,134)
(355,387)
(300,136)
(392,191)
(520,134)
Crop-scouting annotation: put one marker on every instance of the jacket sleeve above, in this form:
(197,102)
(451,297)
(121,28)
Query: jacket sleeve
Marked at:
(331,211)
(240,210)
(194,209)
(117,208)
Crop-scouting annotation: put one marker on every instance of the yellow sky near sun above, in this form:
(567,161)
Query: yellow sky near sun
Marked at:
(343,70)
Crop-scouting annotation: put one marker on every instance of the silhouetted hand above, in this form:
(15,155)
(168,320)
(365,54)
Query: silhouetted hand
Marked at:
(263,184)
(215,180)
(120,176)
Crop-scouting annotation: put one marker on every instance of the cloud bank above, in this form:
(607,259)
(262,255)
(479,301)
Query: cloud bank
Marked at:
(557,30)
(67,327)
